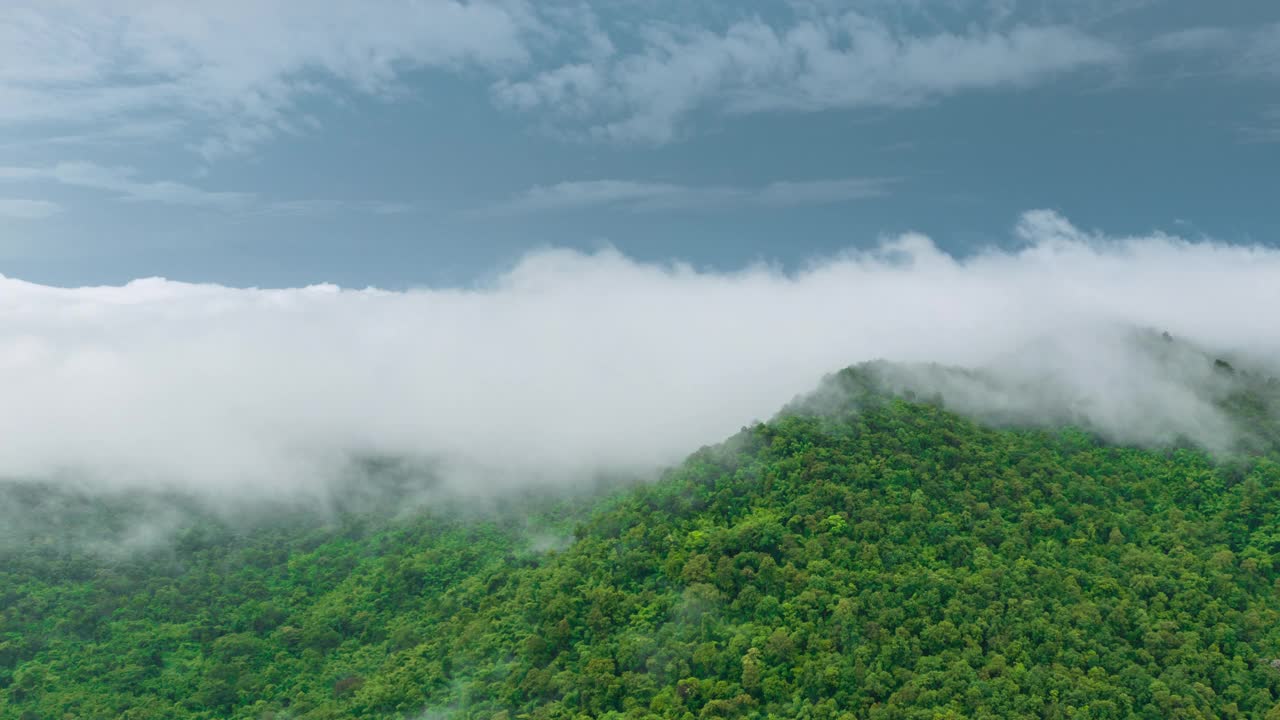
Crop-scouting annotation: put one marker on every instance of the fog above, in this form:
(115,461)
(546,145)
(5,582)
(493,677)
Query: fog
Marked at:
(571,364)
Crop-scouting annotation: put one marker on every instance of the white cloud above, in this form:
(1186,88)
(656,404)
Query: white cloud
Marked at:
(572,363)
(837,61)
(27,209)
(652,196)
(237,66)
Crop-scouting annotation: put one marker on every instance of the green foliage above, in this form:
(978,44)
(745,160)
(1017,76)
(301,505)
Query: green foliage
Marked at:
(898,562)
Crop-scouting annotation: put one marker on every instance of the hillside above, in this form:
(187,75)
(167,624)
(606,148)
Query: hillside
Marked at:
(859,556)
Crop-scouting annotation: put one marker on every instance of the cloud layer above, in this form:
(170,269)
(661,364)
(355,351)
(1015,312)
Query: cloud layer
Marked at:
(571,364)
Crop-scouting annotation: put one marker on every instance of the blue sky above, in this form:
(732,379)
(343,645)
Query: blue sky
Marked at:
(397,144)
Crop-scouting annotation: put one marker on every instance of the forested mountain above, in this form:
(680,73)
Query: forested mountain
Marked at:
(860,556)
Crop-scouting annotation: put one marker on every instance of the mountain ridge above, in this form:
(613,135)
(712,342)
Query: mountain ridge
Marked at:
(874,557)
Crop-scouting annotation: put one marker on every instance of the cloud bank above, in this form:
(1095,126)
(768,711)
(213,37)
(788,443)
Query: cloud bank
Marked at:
(570,363)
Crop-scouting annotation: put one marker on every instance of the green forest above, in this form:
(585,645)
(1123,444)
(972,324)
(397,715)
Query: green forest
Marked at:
(878,557)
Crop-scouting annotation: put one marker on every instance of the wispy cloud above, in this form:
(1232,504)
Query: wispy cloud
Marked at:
(325,207)
(1243,51)
(1262,51)
(656,196)
(788,193)
(233,75)
(236,68)
(1265,129)
(27,209)
(236,73)
(1196,39)
(109,134)
(124,183)
(848,60)
(225,77)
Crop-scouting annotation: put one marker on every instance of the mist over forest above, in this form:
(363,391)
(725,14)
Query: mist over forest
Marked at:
(237,396)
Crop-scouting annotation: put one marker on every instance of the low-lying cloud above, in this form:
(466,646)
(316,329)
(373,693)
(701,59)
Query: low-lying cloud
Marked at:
(571,364)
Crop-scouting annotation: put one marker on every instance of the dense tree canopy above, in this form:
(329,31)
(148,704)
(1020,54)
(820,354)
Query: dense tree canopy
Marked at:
(886,560)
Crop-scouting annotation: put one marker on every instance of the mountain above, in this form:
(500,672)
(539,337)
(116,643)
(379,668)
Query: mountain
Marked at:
(868,553)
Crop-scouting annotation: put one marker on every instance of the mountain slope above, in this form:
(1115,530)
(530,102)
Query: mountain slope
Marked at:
(880,558)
